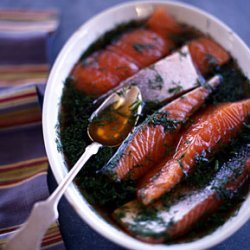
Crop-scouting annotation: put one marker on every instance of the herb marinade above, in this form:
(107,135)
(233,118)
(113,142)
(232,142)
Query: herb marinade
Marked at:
(106,195)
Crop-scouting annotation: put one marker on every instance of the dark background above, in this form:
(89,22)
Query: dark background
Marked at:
(73,13)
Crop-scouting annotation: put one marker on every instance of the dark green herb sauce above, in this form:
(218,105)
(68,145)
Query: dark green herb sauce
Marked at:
(188,34)
(106,195)
(161,118)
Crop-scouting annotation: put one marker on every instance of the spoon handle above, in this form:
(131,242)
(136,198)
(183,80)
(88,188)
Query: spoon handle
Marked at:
(44,213)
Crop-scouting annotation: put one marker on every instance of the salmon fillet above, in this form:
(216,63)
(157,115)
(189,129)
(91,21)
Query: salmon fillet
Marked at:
(152,140)
(105,69)
(163,24)
(170,218)
(207,135)
(101,72)
(116,65)
(92,80)
(207,54)
(141,46)
(159,82)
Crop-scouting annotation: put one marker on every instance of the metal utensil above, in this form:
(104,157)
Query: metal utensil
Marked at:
(123,108)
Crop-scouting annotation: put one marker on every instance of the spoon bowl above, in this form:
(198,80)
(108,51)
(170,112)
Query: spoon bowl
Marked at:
(111,123)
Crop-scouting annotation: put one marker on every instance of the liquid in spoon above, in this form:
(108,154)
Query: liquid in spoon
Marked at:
(111,124)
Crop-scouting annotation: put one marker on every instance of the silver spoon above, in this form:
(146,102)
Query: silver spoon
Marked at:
(109,125)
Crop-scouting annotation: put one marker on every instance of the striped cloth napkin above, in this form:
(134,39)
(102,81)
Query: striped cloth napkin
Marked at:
(24,37)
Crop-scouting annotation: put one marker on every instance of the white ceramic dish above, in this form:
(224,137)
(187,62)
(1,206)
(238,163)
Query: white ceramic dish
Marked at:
(69,55)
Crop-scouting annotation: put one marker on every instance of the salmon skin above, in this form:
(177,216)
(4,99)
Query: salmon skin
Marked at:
(151,141)
(206,136)
(159,82)
(169,218)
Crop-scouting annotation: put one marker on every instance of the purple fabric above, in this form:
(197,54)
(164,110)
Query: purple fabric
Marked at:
(23,162)
(24,195)
(23,48)
(21,144)
(13,108)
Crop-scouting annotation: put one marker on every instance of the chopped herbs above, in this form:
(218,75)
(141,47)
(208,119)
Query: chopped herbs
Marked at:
(175,90)
(103,192)
(76,109)
(216,165)
(161,118)
(189,33)
(181,164)
(107,195)
(211,60)
(156,83)
(135,105)
(139,47)
(227,90)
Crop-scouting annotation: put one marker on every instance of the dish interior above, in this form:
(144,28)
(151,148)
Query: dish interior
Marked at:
(105,195)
